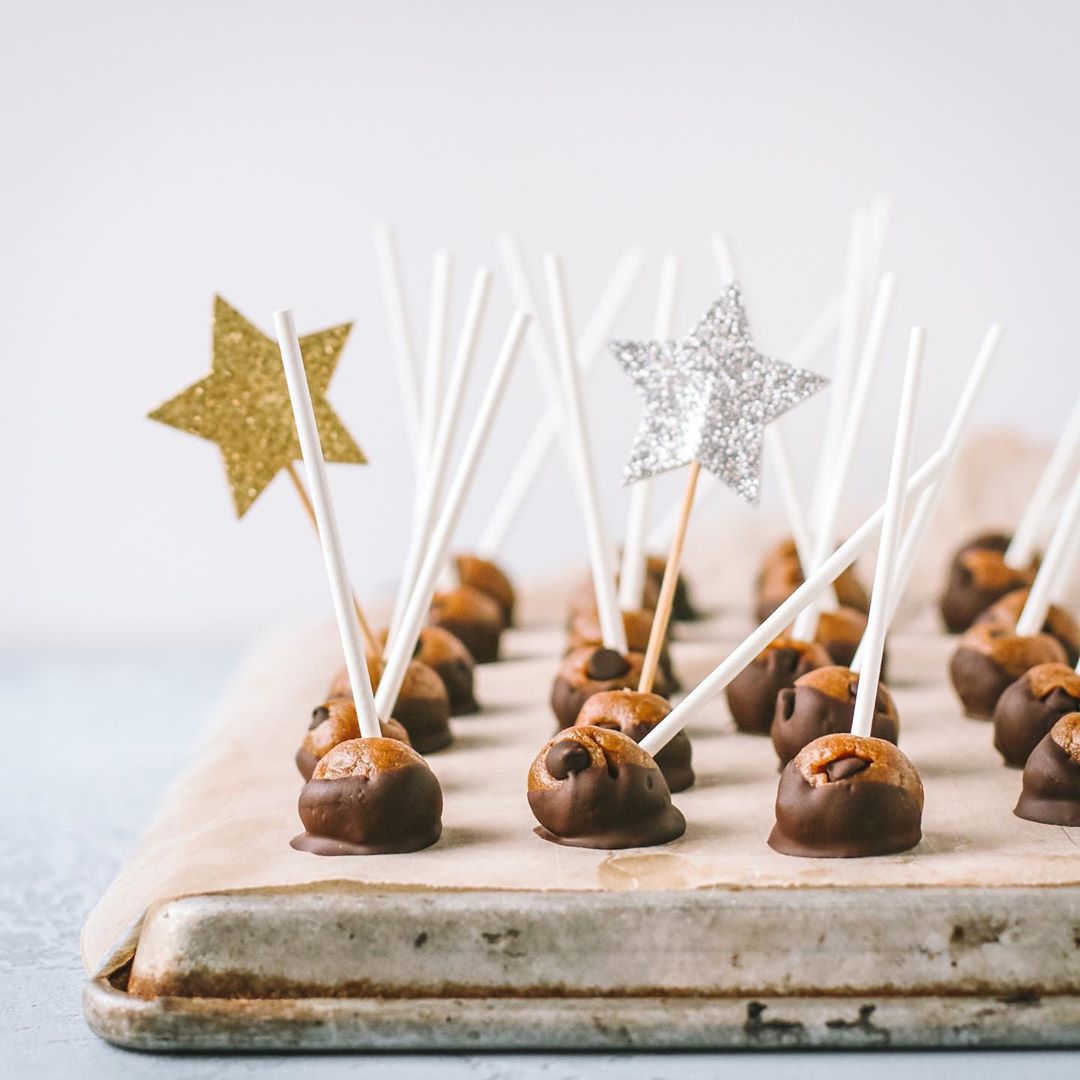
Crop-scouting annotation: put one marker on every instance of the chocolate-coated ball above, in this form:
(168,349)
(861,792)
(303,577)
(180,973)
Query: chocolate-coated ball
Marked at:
(1059,623)
(978,576)
(822,702)
(491,580)
(595,787)
(635,715)
(336,722)
(752,694)
(1051,792)
(585,630)
(592,670)
(1030,707)
(370,797)
(473,618)
(843,796)
(989,657)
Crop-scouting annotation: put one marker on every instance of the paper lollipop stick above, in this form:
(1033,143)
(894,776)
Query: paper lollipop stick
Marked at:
(612,630)
(928,502)
(436,351)
(877,619)
(1060,553)
(434,478)
(632,570)
(847,355)
(537,447)
(1022,547)
(404,641)
(308,433)
(400,335)
(803,353)
(829,509)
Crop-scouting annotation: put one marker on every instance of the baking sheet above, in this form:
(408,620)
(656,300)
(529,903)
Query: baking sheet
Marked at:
(227,821)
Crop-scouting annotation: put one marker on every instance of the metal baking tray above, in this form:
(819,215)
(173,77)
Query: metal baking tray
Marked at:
(364,969)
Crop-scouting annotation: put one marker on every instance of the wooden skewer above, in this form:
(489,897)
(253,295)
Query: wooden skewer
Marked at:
(662,615)
(371,642)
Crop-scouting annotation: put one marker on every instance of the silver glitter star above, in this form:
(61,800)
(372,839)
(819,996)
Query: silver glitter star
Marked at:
(708,397)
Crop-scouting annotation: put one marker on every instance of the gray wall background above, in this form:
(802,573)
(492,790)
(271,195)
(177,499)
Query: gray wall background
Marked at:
(155,154)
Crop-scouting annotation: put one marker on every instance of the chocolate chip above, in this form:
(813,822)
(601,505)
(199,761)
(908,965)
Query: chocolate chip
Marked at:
(567,757)
(318,716)
(605,664)
(842,768)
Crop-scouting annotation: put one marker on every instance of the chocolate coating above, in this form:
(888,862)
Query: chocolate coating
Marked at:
(977,577)
(1059,623)
(452,662)
(683,608)
(473,618)
(370,797)
(830,806)
(1030,707)
(490,579)
(590,670)
(422,706)
(635,715)
(1051,792)
(595,787)
(752,694)
(336,722)
(585,630)
(822,702)
(989,657)
(781,574)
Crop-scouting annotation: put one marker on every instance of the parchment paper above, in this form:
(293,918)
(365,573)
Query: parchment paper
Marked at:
(226,823)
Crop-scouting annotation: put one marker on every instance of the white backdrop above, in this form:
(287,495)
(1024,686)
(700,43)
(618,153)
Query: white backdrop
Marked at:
(157,153)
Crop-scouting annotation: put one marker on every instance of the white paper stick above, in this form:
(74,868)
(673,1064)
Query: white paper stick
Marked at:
(816,582)
(1022,547)
(446,429)
(807,347)
(780,463)
(352,644)
(827,513)
(847,355)
(632,571)
(1055,565)
(877,619)
(438,312)
(400,335)
(931,498)
(612,630)
(401,651)
(523,479)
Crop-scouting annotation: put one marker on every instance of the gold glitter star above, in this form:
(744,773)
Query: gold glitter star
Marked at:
(243,404)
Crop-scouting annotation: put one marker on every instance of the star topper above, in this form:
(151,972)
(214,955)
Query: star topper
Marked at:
(708,396)
(243,404)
